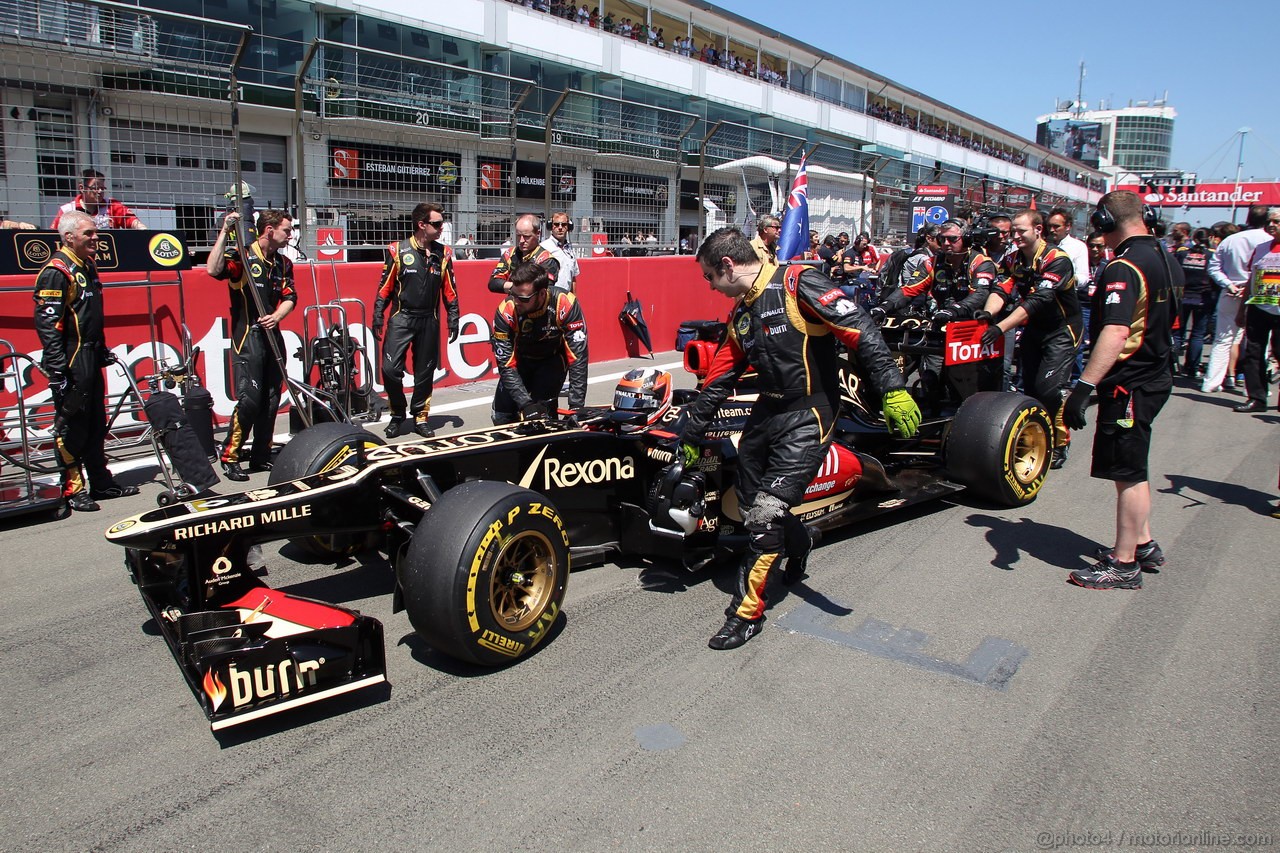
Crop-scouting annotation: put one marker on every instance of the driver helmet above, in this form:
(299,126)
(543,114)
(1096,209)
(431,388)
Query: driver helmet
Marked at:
(644,390)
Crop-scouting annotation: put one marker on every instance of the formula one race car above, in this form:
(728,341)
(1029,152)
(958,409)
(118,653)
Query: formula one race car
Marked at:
(481,526)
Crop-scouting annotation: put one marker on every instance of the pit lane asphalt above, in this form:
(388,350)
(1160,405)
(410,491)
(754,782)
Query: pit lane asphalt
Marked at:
(935,685)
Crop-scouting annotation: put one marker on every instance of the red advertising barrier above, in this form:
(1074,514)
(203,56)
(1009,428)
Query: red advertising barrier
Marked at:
(670,289)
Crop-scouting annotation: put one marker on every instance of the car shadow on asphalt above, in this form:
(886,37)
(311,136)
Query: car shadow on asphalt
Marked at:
(1012,539)
(366,575)
(1195,490)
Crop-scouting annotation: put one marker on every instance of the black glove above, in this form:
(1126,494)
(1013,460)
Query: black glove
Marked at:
(453,332)
(534,411)
(942,317)
(991,335)
(108,357)
(878,314)
(59,384)
(377,329)
(1077,401)
(984,317)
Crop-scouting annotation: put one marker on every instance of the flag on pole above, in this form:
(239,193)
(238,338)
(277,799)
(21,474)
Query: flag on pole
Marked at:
(794,239)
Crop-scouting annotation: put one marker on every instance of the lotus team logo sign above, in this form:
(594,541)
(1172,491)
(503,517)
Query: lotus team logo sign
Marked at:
(165,249)
(37,252)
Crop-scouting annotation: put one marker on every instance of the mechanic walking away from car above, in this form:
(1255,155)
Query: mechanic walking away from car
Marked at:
(254,367)
(539,337)
(1042,279)
(69,319)
(417,274)
(1131,369)
(785,323)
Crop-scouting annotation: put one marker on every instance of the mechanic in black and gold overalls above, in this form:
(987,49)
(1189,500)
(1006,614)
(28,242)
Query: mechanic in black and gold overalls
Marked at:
(416,274)
(69,321)
(1038,282)
(256,371)
(539,337)
(785,324)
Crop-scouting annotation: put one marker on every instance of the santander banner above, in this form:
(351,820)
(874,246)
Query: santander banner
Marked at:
(1210,195)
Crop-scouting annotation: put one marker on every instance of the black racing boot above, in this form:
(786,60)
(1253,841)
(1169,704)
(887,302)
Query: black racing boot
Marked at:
(82,502)
(115,490)
(393,426)
(233,472)
(421,428)
(735,632)
(1059,457)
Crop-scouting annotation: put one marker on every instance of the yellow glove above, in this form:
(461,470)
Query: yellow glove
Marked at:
(901,413)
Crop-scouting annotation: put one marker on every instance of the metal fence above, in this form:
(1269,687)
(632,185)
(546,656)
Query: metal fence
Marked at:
(352,138)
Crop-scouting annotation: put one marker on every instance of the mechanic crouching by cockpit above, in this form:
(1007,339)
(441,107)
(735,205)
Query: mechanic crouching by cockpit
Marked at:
(539,337)
(785,323)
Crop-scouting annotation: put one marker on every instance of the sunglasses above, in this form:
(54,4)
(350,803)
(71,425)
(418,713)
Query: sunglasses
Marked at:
(559,224)
(518,298)
(435,223)
(950,238)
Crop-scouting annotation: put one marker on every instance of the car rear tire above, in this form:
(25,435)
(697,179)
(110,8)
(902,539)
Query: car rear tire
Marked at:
(485,572)
(317,449)
(1000,445)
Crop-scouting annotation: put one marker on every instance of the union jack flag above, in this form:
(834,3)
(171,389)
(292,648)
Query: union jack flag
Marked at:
(794,239)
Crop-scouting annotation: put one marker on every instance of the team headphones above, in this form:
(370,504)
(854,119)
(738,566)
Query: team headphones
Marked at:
(1103,221)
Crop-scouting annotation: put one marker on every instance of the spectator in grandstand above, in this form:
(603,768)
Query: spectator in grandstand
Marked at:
(1057,232)
(93,200)
(768,229)
(562,250)
(526,250)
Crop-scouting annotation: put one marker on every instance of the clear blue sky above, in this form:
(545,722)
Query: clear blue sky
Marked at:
(1010,64)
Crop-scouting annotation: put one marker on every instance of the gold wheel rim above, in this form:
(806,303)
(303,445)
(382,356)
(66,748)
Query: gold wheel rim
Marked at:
(523,581)
(1030,452)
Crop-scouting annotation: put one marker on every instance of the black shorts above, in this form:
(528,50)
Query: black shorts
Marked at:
(1123,437)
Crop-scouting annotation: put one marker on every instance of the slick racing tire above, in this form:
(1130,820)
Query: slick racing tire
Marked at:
(315,450)
(485,572)
(999,446)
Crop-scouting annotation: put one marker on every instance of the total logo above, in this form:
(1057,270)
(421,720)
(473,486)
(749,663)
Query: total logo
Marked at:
(262,682)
